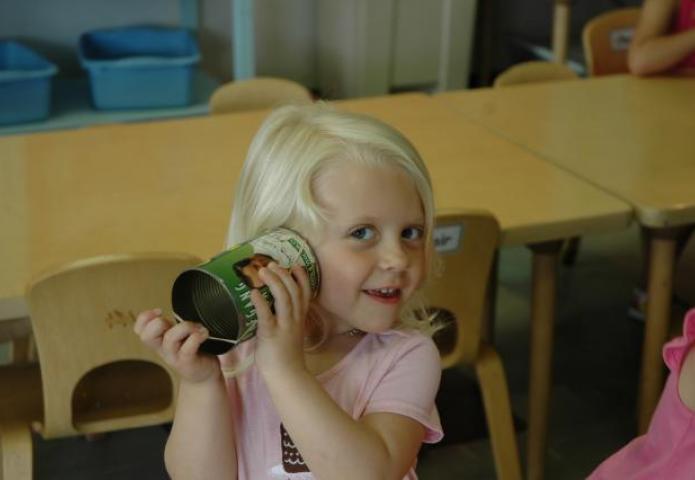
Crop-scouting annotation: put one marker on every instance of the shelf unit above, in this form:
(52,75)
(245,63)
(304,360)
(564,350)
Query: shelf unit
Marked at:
(72,107)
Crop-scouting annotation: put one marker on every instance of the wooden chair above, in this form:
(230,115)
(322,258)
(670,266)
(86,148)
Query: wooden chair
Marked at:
(93,375)
(533,72)
(606,39)
(257,93)
(17,332)
(466,243)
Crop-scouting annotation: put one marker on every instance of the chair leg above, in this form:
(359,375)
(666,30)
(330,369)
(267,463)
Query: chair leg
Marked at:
(493,384)
(15,452)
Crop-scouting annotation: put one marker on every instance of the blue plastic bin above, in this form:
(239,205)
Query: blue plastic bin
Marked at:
(139,67)
(25,84)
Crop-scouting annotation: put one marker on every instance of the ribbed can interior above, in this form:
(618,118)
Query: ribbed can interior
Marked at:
(200,297)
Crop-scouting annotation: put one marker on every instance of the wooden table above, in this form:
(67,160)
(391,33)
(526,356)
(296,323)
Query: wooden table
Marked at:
(631,137)
(164,186)
(169,186)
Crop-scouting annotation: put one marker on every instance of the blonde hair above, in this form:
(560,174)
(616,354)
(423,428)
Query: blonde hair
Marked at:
(292,147)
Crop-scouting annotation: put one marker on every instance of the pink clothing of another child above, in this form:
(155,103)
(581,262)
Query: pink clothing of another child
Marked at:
(395,372)
(685,20)
(667,450)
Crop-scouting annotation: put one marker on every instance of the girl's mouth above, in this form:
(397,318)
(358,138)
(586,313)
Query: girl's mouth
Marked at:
(385,295)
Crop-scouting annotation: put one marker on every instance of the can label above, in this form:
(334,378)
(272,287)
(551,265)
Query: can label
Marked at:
(284,247)
(218,292)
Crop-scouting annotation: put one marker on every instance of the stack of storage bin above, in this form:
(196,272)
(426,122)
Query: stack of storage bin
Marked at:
(139,67)
(25,84)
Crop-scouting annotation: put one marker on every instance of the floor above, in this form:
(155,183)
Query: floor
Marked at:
(595,376)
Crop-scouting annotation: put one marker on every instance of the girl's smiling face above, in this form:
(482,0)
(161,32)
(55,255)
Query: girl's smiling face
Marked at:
(372,248)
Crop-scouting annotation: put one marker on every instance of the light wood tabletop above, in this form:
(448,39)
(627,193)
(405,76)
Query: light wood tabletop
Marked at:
(169,186)
(632,137)
(472,167)
(162,186)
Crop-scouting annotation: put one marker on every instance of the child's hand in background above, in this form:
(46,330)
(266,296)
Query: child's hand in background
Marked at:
(178,345)
(280,336)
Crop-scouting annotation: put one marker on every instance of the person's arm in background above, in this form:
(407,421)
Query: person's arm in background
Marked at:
(653,48)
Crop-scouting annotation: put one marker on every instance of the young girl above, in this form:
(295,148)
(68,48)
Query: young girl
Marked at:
(341,385)
(667,450)
(664,39)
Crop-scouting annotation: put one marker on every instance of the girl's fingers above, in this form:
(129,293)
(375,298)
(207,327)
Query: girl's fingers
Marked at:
(302,277)
(293,289)
(189,347)
(283,300)
(144,317)
(266,320)
(153,331)
(176,335)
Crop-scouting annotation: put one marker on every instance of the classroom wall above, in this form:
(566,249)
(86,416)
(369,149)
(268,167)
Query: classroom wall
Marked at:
(53,27)
(286,30)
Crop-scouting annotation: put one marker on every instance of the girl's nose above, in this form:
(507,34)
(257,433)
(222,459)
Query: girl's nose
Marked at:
(393,257)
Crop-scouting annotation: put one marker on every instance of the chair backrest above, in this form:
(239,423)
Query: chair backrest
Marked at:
(257,93)
(96,374)
(533,72)
(465,242)
(606,39)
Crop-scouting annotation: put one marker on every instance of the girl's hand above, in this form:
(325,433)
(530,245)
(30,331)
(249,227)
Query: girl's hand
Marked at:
(280,337)
(178,345)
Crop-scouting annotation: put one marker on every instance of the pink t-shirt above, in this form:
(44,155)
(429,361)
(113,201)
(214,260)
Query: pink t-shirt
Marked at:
(686,21)
(667,450)
(395,372)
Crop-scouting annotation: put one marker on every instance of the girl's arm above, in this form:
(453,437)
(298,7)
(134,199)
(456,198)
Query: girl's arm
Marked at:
(201,443)
(333,444)
(653,49)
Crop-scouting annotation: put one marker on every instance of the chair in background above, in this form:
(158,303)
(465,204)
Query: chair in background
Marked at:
(257,93)
(534,72)
(94,375)
(466,243)
(606,40)
(17,332)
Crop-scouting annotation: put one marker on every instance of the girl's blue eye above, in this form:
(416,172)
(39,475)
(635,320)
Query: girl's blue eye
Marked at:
(363,233)
(413,233)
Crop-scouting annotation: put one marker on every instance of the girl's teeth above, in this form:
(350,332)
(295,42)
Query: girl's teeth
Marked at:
(385,292)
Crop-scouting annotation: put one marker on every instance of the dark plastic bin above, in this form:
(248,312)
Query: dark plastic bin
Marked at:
(25,84)
(139,67)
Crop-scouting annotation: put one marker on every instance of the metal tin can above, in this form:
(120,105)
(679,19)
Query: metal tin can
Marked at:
(217,292)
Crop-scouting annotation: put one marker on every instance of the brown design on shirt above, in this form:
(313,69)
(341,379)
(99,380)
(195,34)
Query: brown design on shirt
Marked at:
(292,461)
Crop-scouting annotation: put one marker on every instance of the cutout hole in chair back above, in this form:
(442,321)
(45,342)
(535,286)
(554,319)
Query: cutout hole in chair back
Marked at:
(445,337)
(128,387)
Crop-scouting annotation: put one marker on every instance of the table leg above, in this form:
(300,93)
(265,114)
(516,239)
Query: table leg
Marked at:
(662,252)
(545,259)
(490,312)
